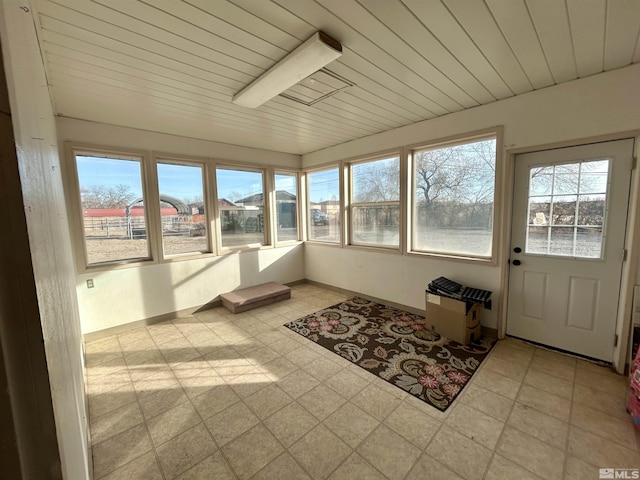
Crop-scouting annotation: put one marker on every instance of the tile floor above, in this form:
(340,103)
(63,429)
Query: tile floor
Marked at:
(223,396)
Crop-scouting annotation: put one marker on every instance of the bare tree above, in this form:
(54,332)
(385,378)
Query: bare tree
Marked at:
(455,185)
(101,196)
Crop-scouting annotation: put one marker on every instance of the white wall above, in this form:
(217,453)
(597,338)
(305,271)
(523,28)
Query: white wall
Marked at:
(41,182)
(126,295)
(593,106)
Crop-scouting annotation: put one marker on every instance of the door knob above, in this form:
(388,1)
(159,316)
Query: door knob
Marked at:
(516,262)
(517,250)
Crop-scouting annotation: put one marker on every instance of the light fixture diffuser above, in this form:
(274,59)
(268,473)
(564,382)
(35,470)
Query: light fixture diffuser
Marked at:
(316,52)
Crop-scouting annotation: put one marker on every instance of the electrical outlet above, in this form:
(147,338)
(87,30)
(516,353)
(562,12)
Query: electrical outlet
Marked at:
(90,283)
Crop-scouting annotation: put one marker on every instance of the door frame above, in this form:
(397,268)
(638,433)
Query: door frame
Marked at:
(621,352)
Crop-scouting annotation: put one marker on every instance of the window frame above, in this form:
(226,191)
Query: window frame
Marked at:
(350,204)
(471,137)
(266,205)
(341,188)
(74,204)
(273,207)
(158,157)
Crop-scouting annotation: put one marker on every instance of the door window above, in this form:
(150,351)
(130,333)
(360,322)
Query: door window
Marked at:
(567,206)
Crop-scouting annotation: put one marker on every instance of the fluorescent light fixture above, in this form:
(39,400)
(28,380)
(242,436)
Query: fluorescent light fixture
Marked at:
(316,52)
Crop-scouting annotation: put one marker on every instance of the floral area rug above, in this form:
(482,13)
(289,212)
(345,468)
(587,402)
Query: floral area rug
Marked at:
(397,346)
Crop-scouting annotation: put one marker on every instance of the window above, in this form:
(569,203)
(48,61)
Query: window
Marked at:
(182,208)
(241,207)
(113,213)
(286,207)
(324,205)
(375,202)
(567,205)
(453,198)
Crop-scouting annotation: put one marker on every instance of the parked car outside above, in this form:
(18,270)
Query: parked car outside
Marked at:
(318,217)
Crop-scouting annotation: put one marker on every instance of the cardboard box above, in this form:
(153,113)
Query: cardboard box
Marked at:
(454,319)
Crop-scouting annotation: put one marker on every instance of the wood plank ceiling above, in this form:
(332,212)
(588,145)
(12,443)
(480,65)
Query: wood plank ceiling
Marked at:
(172,66)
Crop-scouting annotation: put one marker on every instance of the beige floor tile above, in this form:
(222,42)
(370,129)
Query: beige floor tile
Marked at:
(161,401)
(531,453)
(302,355)
(263,355)
(322,368)
(555,357)
(120,450)
(283,467)
(612,428)
(268,401)
(446,447)
(278,368)
(102,403)
(487,402)
(356,467)
(231,423)
(116,421)
(376,402)
(201,383)
(252,358)
(142,468)
(537,424)
(214,467)
(252,451)
(297,383)
(544,402)
(597,451)
(412,424)
(215,400)
(503,469)
(171,423)
(475,425)
(291,423)
(428,467)
(248,384)
(510,353)
(601,378)
(577,469)
(322,401)
(549,383)
(375,449)
(351,424)
(615,405)
(319,452)
(162,380)
(347,383)
(497,383)
(565,371)
(185,451)
(508,368)
(108,344)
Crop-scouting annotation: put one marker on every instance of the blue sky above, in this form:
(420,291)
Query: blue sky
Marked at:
(324,185)
(180,181)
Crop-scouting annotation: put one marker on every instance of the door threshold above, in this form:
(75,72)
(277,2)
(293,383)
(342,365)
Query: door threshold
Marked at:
(564,352)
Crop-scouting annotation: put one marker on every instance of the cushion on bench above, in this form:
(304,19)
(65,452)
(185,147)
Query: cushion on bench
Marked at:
(254,297)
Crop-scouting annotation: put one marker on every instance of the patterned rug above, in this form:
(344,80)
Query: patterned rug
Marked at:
(396,346)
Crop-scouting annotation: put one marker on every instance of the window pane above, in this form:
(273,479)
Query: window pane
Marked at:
(376,181)
(286,207)
(182,208)
(576,220)
(112,208)
(241,204)
(453,200)
(324,205)
(376,225)
(375,192)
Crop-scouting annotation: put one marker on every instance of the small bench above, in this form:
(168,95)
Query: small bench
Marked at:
(254,297)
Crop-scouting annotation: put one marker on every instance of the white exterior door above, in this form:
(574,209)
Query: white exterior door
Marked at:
(568,229)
